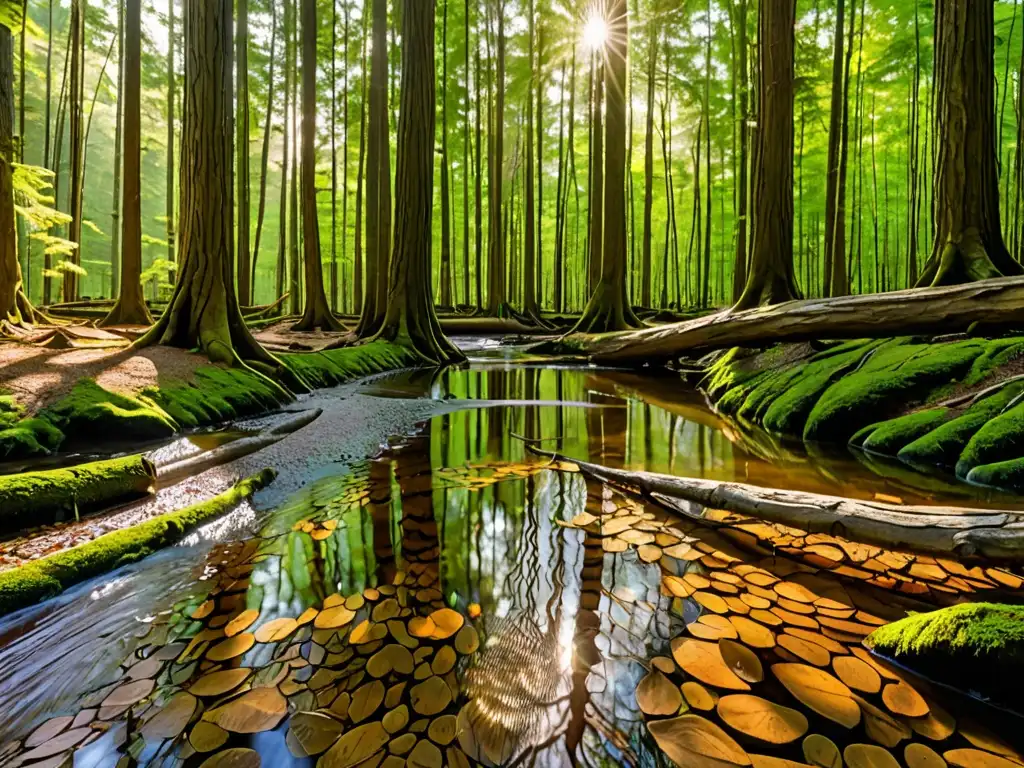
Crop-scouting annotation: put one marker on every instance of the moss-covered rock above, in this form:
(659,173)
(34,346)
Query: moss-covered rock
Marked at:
(89,413)
(888,437)
(885,383)
(46,577)
(41,498)
(1000,439)
(338,366)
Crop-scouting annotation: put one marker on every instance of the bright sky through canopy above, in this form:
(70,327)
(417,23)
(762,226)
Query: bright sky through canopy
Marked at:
(595,33)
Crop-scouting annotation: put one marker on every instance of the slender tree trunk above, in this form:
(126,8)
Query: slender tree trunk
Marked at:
(840,277)
(172,100)
(446,212)
(77,146)
(704,300)
(282,236)
(539,269)
(740,271)
(244,210)
(294,273)
(530,307)
(771,279)
(130,308)
(596,210)
(334,156)
(835,129)
(608,308)
(497,298)
(968,242)
(558,265)
(57,147)
(645,265)
(261,206)
(344,176)
(466,160)
(203,311)
(115,212)
(357,254)
(478,198)
(914,155)
(410,317)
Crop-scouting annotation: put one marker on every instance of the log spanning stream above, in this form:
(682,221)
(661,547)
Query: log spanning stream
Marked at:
(419,589)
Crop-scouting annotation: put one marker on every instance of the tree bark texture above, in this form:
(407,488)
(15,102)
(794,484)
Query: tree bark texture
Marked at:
(76,96)
(242,148)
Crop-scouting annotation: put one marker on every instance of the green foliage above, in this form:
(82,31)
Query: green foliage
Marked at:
(43,578)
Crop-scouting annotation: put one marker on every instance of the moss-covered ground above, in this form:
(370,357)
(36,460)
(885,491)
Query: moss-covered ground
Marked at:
(887,397)
(47,576)
(90,416)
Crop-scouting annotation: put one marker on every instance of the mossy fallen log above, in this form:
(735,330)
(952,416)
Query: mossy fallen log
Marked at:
(964,532)
(39,579)
(31,499)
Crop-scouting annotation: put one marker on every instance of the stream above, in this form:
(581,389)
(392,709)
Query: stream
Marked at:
(417,588)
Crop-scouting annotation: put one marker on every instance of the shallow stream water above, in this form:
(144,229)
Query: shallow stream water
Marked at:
(449,598)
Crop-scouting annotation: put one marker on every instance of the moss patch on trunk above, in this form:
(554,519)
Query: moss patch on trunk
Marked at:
(48,576)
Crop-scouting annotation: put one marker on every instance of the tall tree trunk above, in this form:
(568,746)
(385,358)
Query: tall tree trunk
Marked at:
(478,197)
(357,254)
(172,100)
(344,177)
(115,212)
(203,311)
(968,241)
(771,279)
(835,130)
(840,278)
(334,154)
(15,308)
(558,265)
(55,166)
(76,96)
(704,298)
(596,182)
(242,148)
(410,317)
(316,313)
(261,206)
(130,308)
(539,267)
(378,178)
(497,301)
(446,211)
(282,235)
(530,307)
(608,308)
(466,155)
(740,272)
(913,154)
(294,274)
(645,266)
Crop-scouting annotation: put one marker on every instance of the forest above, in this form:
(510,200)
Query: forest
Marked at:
(511,382)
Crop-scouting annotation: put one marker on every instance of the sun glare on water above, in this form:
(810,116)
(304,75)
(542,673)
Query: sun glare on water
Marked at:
(595,33)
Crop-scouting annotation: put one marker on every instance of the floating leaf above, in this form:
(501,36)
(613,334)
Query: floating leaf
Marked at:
(424,755)
(820,691)
(922,756)
(741,660)
(365,700)
(937,725)
(976,758)
(767,761)
(805,651)
(902,699)
(313,731)
(467,641)
(206,737)
(880,726)
(443,729)
(704,661)
(431,696)
(697,696)
(260,709)
(358,744)
(219,683)
(868,756)
(821,751)
(231,647)
(241,622)
(752,633)
(857,674)
(275,631)
(128,694)
(171,719)
(334,618)
(695,742)
(238,757)
(761,719)
(657,695)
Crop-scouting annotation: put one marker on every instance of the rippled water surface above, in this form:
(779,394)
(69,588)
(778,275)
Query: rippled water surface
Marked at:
(456,600)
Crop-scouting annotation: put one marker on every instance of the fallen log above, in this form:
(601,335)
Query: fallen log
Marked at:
(31,499)
(481,326)
(172,473)
(964,532)
(916,310)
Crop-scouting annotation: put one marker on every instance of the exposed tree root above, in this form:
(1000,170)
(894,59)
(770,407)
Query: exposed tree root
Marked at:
(918,310)
(964,532)
(966,261)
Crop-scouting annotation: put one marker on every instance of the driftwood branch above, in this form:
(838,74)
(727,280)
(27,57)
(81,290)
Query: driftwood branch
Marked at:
(917,310)
(965,532)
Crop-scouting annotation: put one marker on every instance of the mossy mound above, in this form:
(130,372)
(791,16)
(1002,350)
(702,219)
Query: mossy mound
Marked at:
(48,576)
(888,437)
(1000,439)
(42,498)
(973,646)
(338,366)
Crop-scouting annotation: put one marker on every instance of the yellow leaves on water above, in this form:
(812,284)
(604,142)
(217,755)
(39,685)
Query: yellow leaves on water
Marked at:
(869,756)
(467,641)
(741,660)
(241,622)
(334,618)
(365,700)
(821,751)
(446,623)
(237,757)
(276,630)
(313,731)
(761,719)
(712,627)
(922,756)
(695,742)
(658,696)
(231,647)
(390,658)
(206,737)
(443,729)
(219,683)
(819,691)
(260,709)
(424,755)
(171,719)
(419,626)
(430,697)
(753,634)
(357,745)
(396,719)
(697,696)
(857,674)
(937,725)
(704,662)
(767,761)
(976,758)
(902,699)
(805,651)
(880,726)
(204,610)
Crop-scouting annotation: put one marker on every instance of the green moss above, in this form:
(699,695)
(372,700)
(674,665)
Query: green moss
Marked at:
(998,352)
(89,411)
(337,366)
(1000,439)
(884,384)
(943,446)
(970,629)
(29,437)
(1008,475)
(43,578)
(765,392)
(888,437)
(42,498)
